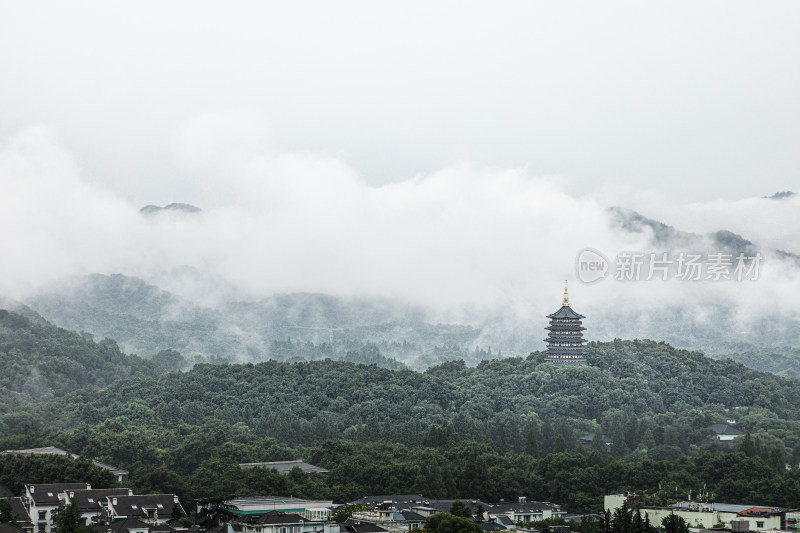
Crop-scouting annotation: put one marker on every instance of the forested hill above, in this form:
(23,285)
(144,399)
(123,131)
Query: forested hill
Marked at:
(495,429)
(39,360)
(650,398)
(642,378)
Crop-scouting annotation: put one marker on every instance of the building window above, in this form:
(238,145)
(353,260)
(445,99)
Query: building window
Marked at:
(759,523)
(42,515)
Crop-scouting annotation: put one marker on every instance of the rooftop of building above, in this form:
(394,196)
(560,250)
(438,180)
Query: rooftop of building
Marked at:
(52,450)
(273,500)
(724,429)
(91,499)
(8,528)
(349,526)
(275,517)
(711,507)
(523,507)
(133,506)
(47,493)
(284,467)
(565,311)
(19,510)
(443,506)
(124,526)
(47,450)
(590,437)
(395,499)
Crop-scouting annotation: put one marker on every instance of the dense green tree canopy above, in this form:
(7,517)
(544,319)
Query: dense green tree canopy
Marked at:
(502,429)
(448,523)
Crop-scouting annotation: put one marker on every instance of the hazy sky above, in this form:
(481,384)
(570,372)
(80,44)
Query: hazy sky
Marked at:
(694,101)
(452,154)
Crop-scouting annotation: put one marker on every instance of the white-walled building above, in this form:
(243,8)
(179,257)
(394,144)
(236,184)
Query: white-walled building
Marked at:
(708,515)
(43,499)
(94,502)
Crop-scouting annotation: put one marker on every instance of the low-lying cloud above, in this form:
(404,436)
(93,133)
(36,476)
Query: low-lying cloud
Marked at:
(465,242)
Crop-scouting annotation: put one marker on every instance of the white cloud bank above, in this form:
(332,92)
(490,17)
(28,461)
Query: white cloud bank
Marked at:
(463,241)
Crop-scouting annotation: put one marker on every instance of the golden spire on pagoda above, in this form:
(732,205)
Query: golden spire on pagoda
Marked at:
(566,298)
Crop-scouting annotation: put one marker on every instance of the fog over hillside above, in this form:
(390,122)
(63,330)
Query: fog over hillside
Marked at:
(392,173)
(484,248)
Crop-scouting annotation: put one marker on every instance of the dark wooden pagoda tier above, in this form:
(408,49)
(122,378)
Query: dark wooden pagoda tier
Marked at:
(565,336)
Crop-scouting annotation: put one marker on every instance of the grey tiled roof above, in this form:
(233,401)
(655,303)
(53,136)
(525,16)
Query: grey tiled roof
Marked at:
(284,467)
(589,437)
(90,499)
(19,510)
(527,507)
(348,526)
(724,429)
(411,516)
(565,311)
(8,528)
(47,494)
(132,506)
(52,450)
(398,500)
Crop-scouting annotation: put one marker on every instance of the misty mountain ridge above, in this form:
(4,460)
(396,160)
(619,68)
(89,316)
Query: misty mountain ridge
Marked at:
(40,361)
(146,319)
(150,210)
(781,195)
(721,240)
(663,234)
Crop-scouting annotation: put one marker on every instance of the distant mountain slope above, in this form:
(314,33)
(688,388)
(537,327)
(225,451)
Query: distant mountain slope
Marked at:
(663,234)
(150,210)
(782,195)
(146,320)
(39,360)
(774,337)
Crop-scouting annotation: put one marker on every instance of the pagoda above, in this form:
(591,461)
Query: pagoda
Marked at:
(565,338)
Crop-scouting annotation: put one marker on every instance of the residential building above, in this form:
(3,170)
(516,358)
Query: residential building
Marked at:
(502,513)
(314,510)
(587,440)
(8,528)
(792,520)
(708,515)
(392,520)
(94,502)
(524,511)
(349,527)
(125,525)
(725,432)
(399,501)
(20,512)
(431,507)
(155,509)
(279,522)
(42,501)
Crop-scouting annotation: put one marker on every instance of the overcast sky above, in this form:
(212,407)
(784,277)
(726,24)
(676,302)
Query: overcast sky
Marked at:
(453,154)
(695,101)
